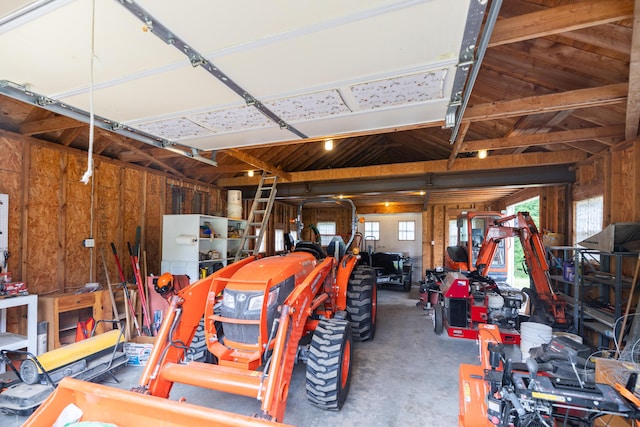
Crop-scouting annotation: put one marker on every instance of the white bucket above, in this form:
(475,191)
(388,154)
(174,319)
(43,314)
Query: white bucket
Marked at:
(234,204)
(533,335)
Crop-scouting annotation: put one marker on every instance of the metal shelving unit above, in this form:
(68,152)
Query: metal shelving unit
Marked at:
(594,271)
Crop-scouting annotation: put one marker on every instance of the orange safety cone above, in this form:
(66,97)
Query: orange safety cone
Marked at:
(88,327)
(84,329)
(80,331)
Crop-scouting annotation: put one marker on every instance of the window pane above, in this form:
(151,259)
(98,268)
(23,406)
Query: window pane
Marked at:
(406,230)
(279,240)
(372,230)
(453,232)
(262,244)
(588,218)
(327,232)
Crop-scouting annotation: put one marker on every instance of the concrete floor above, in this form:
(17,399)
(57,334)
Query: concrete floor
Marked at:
(407,376)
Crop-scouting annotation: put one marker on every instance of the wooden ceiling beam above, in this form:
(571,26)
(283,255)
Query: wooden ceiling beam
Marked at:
(560,19)
(257,163)
(457,144)
(142,154)
(69,135)
(420,168)
(544,138)
(574,99)
(124,142)
(52,124)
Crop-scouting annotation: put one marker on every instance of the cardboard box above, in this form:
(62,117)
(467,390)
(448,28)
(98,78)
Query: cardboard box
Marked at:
(553,239)
(612,371)
(138,350)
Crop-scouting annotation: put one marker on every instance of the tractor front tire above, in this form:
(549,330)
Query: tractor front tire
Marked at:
(329,364)
(362,301)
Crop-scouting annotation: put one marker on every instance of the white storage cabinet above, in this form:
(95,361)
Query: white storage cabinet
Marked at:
(184,245)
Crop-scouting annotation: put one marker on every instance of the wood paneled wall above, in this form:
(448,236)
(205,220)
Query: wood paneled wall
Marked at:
(51,212)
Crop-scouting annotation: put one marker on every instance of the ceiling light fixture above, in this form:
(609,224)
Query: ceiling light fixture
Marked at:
(422,193)
(328,144)
(386,204)
(250,173)
(482,154)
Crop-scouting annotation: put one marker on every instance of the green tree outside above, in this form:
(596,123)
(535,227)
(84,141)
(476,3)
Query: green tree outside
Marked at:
(533,207)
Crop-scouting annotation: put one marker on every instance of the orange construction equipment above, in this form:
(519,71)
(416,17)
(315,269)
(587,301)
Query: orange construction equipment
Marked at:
(501,392)
(544,304)
(261,315)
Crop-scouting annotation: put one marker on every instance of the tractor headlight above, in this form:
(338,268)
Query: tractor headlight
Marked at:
(255,303)
(228,300)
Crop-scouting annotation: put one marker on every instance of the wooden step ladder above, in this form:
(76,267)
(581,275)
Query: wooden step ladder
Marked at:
(258,216)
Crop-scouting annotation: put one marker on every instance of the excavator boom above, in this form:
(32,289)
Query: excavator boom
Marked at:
(547,302)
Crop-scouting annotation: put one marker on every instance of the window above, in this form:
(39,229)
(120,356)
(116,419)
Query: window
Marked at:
(263,246)
(372,230)
(279,240)
(588,218)
(406,230)
(327,232)
(453,232)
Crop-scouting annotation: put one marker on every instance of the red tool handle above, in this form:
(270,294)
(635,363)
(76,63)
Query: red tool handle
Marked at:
(125,289)
(115,255)
(143,300)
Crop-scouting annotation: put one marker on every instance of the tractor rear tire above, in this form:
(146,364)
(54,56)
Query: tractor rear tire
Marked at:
(329,364)
(438,319)
(362,296)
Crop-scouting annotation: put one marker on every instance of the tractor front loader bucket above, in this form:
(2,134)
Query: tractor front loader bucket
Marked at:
(124,408)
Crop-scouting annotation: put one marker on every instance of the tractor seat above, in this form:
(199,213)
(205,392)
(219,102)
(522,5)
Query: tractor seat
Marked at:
(338,243)
(457,253)
(312,248)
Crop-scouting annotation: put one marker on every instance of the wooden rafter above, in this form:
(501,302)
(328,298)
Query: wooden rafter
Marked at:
(574,99)
(51,124)
(257,163)
(122,141)
(544,138)
(457,144)
(560,19)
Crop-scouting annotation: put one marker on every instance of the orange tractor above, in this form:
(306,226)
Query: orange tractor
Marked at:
(261,315)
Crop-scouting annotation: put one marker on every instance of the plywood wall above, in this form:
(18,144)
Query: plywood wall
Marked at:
(51,213)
